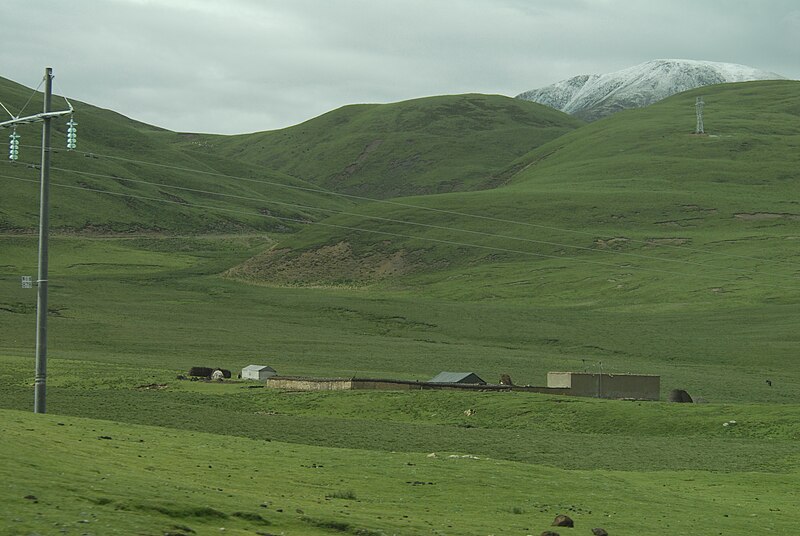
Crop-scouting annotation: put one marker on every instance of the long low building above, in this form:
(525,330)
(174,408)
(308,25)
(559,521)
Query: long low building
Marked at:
(605,385)
(301,383)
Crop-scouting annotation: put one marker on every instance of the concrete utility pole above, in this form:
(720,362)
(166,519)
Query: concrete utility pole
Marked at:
(40,381)
(40,402)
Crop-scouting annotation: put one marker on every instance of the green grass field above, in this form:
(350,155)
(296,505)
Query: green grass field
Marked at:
(226,455)
(627,241)
(144,300)
(633,468)
(102,477)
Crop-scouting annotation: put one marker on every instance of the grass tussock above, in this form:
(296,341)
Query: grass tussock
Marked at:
(348,495)
(179,511)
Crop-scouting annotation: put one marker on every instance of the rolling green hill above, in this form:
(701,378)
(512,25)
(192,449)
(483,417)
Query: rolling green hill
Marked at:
(421,146)
(635,189)
(650,243)
(203,183)
(127,176)
(750,133)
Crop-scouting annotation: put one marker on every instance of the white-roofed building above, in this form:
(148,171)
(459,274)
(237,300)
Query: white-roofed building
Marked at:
(257,372)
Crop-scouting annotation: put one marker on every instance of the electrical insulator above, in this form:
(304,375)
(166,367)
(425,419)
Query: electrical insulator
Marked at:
(72,134)
(13,146)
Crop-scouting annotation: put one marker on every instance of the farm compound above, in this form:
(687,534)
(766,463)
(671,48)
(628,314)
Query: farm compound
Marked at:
(627,386)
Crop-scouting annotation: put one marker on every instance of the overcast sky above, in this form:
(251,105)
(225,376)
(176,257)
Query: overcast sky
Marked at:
(234,66)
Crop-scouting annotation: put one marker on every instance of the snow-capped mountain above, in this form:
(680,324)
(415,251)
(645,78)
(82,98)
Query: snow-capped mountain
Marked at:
(594,96)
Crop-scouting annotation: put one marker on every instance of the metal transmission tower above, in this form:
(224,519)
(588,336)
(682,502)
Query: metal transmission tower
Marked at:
(698,106)
(40,392)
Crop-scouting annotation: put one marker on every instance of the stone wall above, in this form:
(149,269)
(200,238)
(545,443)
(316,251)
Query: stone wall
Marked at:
(309,384)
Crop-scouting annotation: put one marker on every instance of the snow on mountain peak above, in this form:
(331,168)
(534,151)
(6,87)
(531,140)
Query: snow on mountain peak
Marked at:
(595,96)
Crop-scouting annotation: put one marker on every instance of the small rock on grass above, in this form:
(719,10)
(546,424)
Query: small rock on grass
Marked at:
(563,521)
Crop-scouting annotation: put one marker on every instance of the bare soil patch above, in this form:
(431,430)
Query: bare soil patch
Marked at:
(667,241)
(326,265)
(761,216)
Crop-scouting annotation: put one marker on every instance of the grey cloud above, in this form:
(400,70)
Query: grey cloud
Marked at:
(245,65)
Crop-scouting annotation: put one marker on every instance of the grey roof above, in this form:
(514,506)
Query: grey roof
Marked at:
(258,367)
(456,377)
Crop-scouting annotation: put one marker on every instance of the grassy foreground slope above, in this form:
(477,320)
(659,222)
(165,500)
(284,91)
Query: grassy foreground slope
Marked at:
(114,477)
(421,146)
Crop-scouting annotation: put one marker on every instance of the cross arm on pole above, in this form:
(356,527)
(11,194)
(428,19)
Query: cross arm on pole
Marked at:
(34,118)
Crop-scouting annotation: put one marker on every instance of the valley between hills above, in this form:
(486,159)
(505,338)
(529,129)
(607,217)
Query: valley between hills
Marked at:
(455,233)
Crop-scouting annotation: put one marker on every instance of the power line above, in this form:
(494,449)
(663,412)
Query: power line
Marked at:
(26,102)
(408,222)
(31,97)
(402,222)
(400,235)
(315,188)
(440,211)
(3,106)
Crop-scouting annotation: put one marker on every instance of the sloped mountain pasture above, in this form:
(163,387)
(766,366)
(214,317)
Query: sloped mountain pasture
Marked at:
(421,146)
(636,183)
(110,185)
(628,244)
(220,184)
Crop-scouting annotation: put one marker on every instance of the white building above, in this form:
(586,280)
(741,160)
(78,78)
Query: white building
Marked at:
(257,372)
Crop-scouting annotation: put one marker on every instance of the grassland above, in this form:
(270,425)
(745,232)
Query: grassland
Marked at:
(139,301)
(356,462)
(102,477)
(627,242)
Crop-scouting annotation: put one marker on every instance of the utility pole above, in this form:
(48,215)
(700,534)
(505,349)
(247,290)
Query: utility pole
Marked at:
(47,115)
(40,381)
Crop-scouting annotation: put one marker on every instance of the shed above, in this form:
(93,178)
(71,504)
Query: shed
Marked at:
(457,377)
(257,372)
